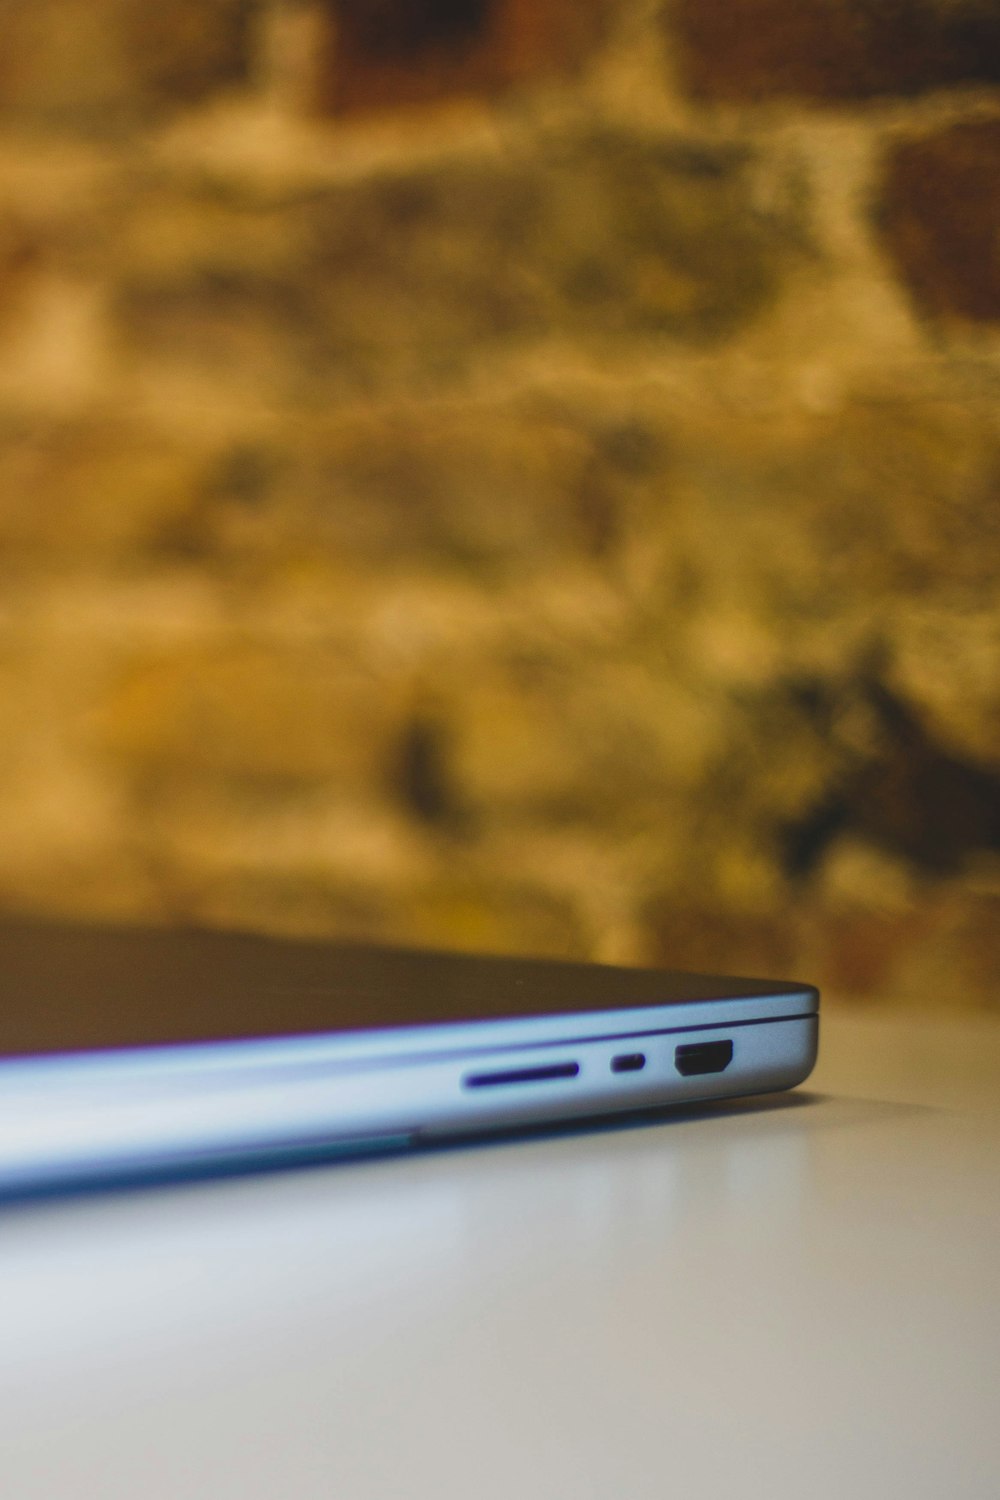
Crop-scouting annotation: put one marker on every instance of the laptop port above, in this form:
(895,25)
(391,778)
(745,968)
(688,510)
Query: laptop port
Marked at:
(702,1057)
(628,1062)
(521,1075)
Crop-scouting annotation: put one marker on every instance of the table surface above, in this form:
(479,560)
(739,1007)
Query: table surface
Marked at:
(797,1296)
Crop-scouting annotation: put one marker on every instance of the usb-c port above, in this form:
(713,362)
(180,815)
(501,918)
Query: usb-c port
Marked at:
(628,1062)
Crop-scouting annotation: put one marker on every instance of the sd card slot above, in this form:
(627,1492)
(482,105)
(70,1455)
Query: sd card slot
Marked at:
(521,1075)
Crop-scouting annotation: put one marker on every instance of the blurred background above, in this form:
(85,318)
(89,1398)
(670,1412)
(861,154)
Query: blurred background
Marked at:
(510,474)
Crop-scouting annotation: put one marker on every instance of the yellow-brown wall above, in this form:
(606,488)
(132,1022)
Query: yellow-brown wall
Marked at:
(518,476)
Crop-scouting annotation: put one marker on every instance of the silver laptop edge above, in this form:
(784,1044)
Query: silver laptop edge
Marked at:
(105,1114)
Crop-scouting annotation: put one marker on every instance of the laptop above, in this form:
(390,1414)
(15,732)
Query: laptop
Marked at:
(130,1053)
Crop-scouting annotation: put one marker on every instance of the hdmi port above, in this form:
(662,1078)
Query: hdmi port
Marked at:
(703,1057)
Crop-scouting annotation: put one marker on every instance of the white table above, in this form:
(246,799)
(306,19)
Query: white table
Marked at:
(794,1299)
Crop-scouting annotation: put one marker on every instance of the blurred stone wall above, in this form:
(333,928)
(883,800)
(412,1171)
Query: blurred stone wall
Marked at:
(522,474)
